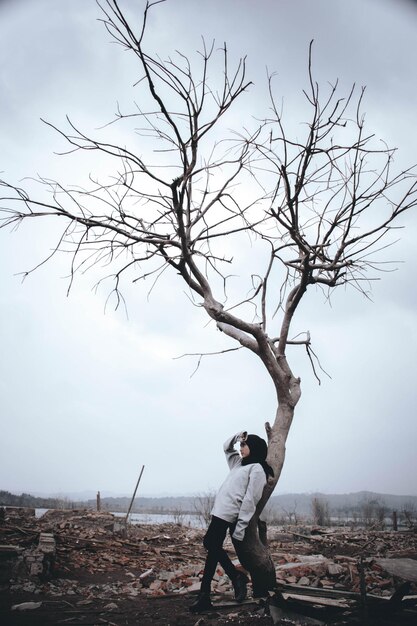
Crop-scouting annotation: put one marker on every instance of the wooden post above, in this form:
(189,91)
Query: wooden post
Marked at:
(394,520)
(362,588)
(98,501)
(134,495)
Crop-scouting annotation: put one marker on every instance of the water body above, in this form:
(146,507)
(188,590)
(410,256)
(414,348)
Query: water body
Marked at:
(193,521)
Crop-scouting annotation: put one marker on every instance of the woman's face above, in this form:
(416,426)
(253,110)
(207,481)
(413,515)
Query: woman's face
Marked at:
(244,449)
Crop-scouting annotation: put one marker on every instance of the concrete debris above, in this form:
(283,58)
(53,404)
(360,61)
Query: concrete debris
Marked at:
(82,554)
(26,606)
(285,616)
(111,606)
(404,568)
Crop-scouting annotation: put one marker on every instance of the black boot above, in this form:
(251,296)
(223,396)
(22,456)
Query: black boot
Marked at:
(203,603)
(239,585)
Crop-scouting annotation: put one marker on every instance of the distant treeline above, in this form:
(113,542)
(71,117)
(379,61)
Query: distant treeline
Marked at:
(363,508)
(142,505)
(34,502)
(342,503)
(360,507)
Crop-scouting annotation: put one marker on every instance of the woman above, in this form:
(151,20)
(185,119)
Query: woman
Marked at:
(233,509)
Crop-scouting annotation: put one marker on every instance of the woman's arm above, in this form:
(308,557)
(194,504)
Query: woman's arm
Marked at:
(232,456)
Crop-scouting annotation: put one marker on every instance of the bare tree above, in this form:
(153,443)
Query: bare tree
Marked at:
(290,514)
(319,209)
(178,514)
(409,515)
(320,511)
(373,512)
(203,504)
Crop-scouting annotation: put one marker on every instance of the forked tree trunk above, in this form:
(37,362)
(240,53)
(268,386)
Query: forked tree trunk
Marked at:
(253,551)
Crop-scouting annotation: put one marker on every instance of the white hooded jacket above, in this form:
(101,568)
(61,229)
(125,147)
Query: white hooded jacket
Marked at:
(241,491)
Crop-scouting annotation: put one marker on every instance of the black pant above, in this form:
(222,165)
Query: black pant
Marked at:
(213,542)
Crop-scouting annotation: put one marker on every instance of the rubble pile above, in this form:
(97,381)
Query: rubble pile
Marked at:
(332,558)
(89,556)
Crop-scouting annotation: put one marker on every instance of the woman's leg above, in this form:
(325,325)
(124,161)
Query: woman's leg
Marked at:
(213,542)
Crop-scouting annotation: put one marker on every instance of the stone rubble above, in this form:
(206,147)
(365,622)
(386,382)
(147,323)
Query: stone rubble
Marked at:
(55,555)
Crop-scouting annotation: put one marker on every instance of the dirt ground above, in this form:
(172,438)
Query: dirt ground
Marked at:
(140,611)
(96,574)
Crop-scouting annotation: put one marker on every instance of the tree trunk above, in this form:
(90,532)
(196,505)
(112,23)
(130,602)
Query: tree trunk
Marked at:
(255,558)
(253,551)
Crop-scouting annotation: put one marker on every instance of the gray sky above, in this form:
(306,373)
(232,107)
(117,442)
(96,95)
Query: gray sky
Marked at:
(89,396)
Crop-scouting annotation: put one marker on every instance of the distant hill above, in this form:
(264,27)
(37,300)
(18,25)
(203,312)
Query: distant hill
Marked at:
(342,501)
(36,502)
(280,505)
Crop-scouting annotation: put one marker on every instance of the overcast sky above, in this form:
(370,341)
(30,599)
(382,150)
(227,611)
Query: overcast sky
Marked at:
(88,396)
